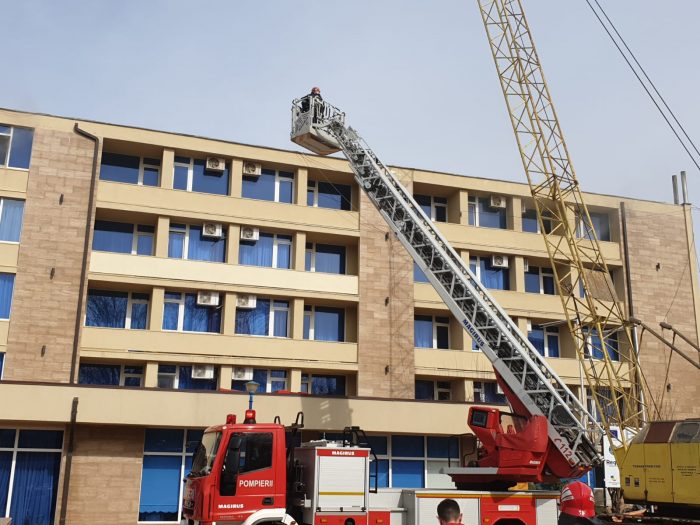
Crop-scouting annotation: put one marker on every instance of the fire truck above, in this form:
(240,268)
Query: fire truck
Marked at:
(256,473)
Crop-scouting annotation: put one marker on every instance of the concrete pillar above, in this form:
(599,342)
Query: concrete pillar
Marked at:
(301,183)
(351,385)
(295,380)
(156,307)
(299,251)
(517,273)
(515,218)
(150,375)
(225,374)
(162,236)
(462,390)
(522,325)
(233,243)
(297,311)
(463,207)
(457,335)
(236,179)
(351,324)
(228,317)
(167,169)
(464,254)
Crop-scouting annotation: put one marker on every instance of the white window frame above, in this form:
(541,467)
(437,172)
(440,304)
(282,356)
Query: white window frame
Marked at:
(312,250)
(190,173)
(278,178)
(312,185)
(477,270)
(186,243)
(546,272)
(437,389)
(549,331)
(310,376)
(123,375)
(2,205)
(435,205)
(473,202)
(129,305)
(180,312)
(175,375)
(15,449)
(271,321)
(436,324)
(143,165)
(267,388)
(276,241)
(537,222)
(183,457)
(136,235)
(4,162)
(312,321)
(2,366)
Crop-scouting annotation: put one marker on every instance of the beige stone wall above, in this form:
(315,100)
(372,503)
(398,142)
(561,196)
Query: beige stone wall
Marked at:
(660,271)
(106,475)
(385,329)
(44,308)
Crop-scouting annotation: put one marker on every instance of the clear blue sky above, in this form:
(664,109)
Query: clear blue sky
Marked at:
(415,77)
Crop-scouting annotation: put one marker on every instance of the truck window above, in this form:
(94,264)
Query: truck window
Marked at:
(205,453)
(256,452)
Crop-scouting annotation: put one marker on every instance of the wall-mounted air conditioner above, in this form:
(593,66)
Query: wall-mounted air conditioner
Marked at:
(497,201)
(252,169)
(499,261)
(202,371)
(205,298)
(242,373)
(216,164)
(246,301)
(213,229)
(248,233)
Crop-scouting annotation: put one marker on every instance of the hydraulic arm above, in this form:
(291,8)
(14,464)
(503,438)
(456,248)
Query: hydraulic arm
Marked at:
(531,386)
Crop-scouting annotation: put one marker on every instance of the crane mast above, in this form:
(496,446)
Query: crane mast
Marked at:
(583,281)
(530,384)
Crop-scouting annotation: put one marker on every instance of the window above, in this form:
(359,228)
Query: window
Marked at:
(180,377)
(488,275)
(272,250)
(322,323)
(530,223)
(594,345)
(418,275)
(110,375)
(191,175)
(11,214)
(183,314)
(15,147)
(2,363)
(120,237)
(539,280)
(544,338)
(7,285)
(167,459)
(271,185)
(325,258)
(431,331)
(414,461)
(600,224)
(269,317)
(328,195)
(187,242)
(488,392)
(269,381)
(481,213)
(30,461)
(109,309)
(130,169)
(255,451)
(434,207)
(323,385)
(433,390)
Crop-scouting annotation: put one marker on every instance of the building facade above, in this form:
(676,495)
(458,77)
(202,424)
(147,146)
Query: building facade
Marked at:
(142,285)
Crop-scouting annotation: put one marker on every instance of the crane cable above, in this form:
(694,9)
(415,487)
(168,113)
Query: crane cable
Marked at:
(648,88)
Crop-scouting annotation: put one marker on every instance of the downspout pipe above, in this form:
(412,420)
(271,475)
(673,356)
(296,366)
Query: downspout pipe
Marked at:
(69,461)
(86,246)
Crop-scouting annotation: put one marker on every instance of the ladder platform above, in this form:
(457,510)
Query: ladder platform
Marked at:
(310,118)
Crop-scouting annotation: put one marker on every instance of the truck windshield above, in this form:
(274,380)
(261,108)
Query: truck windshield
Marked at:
(205,453)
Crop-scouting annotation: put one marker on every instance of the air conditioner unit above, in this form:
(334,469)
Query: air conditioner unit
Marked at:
(202,371)
(213,229)
(252,169)
(208,298)
(216,164)
(497,201)
(526,263)
(248,233)
(246,301)
(499,261)
(242,374)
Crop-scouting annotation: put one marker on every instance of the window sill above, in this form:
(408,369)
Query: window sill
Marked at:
(13,168)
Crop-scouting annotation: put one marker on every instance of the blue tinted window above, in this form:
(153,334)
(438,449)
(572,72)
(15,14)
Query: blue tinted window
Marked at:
(530,221)
(330,259)
(280,320)
(35,487)
(553,344)
(113,237)
(186,382)
(491,217)
(284,255)
(491,277)
(378,444)
(160,487)
(99,375)
(424,389)
(201,318)
(418,275)
(425,203)
(120,168)
(106,309)
(139,315)
(442,447)
(532,280)
(423,331)
(7,440)
(170,316)
(382,473)
(180,177)
(254,321)
(11,220)
(286,187)
(257,253)
(176,241)
(600,223)
(407,474)
(151,176)
(536,337)
(206,181)
(205,248)
(194,436)
(7,284)
(328,385)
(548,284)
(45,439)
(2,362)
(329,324)
(334,196)
(407,446)
(144,246)
(21,148)
(163,440)
(261,187)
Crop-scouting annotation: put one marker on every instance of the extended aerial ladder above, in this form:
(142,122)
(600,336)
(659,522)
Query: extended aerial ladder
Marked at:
(533,389)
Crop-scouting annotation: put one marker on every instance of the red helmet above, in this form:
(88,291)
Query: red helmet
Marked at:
(577,500)
(315,89)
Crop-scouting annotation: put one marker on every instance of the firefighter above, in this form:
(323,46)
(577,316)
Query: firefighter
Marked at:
(449,512)
(577,505)
(318,103)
